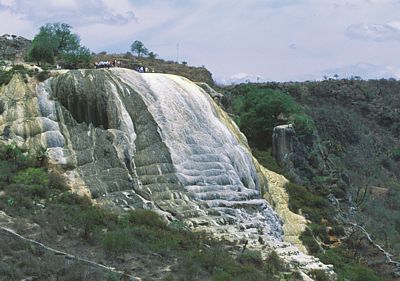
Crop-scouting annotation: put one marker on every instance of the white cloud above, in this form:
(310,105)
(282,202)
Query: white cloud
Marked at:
(374,32)
(6,3)
(74,12)
(10,24)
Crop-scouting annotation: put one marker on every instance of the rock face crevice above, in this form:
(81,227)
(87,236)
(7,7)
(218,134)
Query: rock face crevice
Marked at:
(133,140)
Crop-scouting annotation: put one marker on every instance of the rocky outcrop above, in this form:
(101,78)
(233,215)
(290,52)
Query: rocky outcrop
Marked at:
(158,141)
(282,144)
(301,156)
(13,47)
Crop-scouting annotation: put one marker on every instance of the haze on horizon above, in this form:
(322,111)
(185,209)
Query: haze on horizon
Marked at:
(263,40)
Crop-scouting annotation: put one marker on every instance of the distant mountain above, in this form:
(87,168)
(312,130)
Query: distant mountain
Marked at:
(240,78)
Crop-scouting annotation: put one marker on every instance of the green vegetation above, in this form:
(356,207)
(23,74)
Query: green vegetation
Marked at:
(139,48)
(152,55)
(396,154)
(7,75)
(317,208)
(265,158)
(56,40)
(313,205)
(346,267)
(259,110)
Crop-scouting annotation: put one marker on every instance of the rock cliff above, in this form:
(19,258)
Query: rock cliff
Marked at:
(13,47)
(159,141)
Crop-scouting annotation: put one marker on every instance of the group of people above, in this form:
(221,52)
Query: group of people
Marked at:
(142,69)
(107,64)
(116,63)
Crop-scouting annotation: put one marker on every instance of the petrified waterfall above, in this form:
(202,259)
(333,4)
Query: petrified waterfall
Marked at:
(158,141)
(161,137)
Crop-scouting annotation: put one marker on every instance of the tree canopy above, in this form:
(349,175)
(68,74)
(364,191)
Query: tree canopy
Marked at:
(57,40)
(258,111)
(139,48)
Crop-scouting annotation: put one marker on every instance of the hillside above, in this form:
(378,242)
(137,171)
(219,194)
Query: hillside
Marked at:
(196,74)
(350,160)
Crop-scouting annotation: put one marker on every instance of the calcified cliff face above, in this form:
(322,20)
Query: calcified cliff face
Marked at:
(134,140)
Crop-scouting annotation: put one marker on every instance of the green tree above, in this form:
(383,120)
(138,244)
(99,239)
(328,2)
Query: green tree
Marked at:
(57,40)
(79,57)
(152,55)
(260,110)
(61,37)
(41,49)
(139,48)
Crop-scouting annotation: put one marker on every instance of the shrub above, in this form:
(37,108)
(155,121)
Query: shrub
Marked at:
(312,204)
(5,76)
(6,172)
(251,257)
(307,237)
(91,219)
(266,159)
(73,199)
(303,124)
(112,276)
(178,225)
(319,275)
(10,152)
(396,154)
(118,241)
(274,263)
(34,180)
(259,110)
(338,230)
(219,265)
(43,75)
(142,217)
(58,181)
(2,106)
(362,273)
(343,263)
(31,176)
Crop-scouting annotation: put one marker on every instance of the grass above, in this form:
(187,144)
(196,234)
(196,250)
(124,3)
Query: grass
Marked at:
(6,75)
(266,159)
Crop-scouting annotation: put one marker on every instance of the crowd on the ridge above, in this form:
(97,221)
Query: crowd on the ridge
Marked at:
(107,64)
(116,63)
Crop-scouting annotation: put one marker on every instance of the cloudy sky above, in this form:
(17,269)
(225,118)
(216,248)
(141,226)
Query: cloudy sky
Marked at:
(242,39)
